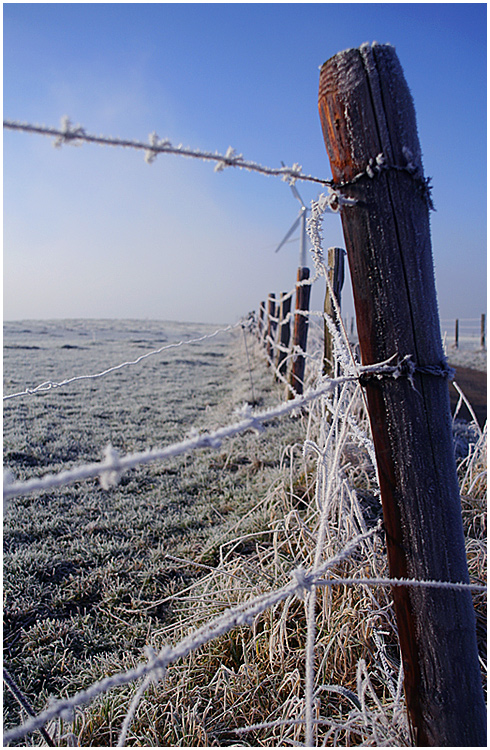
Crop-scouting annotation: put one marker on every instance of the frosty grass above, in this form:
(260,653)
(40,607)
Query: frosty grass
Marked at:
(78,560)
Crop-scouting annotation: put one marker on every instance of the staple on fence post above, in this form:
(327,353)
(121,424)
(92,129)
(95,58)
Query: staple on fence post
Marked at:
(336,276)
(482,331)
(271,327)
(456,334)
(284,334)
(300,334)
(369,127)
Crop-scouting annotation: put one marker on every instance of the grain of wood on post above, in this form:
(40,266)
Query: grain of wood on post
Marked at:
(369,126)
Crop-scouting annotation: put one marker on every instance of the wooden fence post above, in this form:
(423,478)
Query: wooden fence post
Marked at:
(456,334)
(300,335)
(260,322)
(482,331)
(264,324)
(271,327)
(336,276)
(284,334)
(369,126)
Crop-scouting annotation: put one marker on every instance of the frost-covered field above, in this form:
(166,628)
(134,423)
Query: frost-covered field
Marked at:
(469,352)
(92,576)
(468,356)
(80,559)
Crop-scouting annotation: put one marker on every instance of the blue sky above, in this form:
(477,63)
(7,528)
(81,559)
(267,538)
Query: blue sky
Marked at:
(97,232)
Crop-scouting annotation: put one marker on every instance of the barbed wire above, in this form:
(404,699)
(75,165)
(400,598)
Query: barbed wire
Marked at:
(243,614)
(336,199)
(109,471)
(76,134)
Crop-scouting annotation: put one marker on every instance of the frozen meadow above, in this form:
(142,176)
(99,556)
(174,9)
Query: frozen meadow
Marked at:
(95,577)
(75,556)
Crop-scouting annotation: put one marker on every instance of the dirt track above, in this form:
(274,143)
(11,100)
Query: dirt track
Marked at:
(473,383)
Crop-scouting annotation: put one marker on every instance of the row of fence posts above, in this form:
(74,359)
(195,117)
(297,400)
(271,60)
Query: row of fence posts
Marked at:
(274,332)
(274,325)
(482,332)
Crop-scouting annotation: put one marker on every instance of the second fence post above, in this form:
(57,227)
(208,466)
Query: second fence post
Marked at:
(300,335)
(284,334)
(271,327)
(370,132)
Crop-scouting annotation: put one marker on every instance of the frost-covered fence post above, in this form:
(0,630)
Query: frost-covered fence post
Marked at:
(336,276)
(300,334)
(260,323)
(284,334)
(369,126)
(271,327)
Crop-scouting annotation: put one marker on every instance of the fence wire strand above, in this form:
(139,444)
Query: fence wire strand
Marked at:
(50,384)
(75,135)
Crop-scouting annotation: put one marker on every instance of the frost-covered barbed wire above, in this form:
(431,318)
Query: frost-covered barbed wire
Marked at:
(110,470)
(242,614)
(50,384)
(76,134)
(303,581)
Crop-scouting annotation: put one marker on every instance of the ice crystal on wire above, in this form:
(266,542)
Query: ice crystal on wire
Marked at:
(303,580)
(157,673)
(150,155)
(296,170)
(230,158)
(69,133)
(244,411)
(110,474)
